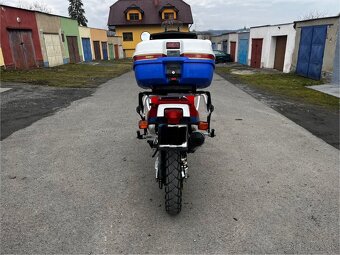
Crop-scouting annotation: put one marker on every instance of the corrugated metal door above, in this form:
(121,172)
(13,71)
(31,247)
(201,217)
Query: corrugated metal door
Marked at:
(97,54)
(111,52)
(87,49)
(311,51)
(104,48)
(53,49)
(233,51)
(22,49)
(73,49)
(116,51)
(256,53)
(243,51)
(280,52)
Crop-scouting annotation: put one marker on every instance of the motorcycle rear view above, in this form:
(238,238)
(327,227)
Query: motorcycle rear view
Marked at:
(174,67)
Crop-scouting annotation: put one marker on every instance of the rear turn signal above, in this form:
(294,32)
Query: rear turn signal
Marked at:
(143,124)
(202,125)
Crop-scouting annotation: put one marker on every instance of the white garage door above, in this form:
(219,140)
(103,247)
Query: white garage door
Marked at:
(53,49)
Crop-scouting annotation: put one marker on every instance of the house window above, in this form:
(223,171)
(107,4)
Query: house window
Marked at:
(127,37)
(134,16)
(169,15)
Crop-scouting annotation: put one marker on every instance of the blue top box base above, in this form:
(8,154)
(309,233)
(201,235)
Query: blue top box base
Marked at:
(151,74)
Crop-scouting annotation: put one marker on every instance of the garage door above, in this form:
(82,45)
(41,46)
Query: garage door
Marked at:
(53,49)
(87,49)
(22,48)
(256,53)
(243,51)
(311,51)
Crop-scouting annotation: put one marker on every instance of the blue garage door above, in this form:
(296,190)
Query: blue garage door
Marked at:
(243,51)
(311,51)
(104,47)
(87,49)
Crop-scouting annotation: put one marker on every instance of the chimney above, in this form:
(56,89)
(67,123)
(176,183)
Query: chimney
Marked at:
(156,2)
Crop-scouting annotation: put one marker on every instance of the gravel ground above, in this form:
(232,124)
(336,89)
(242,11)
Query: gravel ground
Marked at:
(25,104)
(80,182)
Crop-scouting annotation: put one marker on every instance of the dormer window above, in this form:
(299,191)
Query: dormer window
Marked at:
(168,12)
(134,13)
(134,16)
(169,15)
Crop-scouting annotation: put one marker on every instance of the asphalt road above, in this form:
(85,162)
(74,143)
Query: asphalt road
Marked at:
(80,182)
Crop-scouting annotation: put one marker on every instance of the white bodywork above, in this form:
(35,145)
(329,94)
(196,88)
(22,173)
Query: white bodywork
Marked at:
(163,107)
(188,46)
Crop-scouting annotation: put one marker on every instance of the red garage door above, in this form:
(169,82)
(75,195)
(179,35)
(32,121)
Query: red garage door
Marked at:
(72,42)
(233,51)
(22,49)
(256,52)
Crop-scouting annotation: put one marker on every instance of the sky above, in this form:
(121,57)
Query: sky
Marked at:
(210,14)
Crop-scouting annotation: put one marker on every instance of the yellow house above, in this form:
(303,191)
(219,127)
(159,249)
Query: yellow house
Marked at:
(131,18)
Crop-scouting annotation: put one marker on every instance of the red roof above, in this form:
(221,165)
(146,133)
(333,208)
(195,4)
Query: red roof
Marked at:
(151,10)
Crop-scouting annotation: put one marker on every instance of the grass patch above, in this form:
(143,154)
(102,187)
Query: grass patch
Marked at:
(288,85)
(70,75)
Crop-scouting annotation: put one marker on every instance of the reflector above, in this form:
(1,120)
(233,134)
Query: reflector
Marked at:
(199,56)
(148,57)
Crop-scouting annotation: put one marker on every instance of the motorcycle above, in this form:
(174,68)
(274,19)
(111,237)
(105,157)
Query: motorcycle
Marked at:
(170,112)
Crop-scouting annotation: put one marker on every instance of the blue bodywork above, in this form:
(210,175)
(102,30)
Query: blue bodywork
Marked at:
(194,72)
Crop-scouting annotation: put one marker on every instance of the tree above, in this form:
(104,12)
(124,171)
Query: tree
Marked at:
(36,6)
(76,11)
(41,7)
(313,15)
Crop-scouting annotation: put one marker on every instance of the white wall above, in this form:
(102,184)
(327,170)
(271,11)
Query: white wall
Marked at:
(269,34)
(233,38)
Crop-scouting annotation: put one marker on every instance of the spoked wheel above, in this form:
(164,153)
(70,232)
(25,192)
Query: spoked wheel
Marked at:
(173,182)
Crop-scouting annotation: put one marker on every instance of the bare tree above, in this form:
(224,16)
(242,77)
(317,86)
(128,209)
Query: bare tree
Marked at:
(36,6)
(314,14)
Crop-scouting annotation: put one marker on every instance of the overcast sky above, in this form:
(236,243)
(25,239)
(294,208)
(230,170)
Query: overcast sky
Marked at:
(210,14)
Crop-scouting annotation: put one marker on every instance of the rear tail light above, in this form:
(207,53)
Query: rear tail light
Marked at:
(199,56)
(173,45)
(148,57)
(202,125)
(173,115)
(143,124)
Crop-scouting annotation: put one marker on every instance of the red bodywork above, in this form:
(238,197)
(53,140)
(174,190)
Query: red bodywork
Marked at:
(173,115)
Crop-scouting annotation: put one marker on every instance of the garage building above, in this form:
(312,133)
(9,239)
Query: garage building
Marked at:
(272,46)
(315,47)
(50,39)
(20,40)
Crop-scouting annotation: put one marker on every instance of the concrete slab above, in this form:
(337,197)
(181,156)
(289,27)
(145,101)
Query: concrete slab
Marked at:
(4,89)
(330,89)
(80,182)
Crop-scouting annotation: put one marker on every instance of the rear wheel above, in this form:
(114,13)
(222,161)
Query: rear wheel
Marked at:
(173,182)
